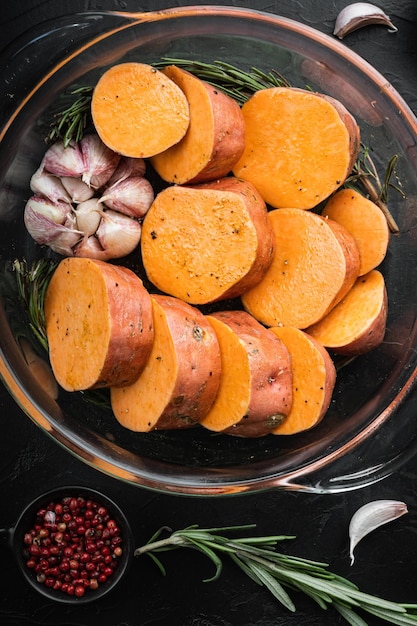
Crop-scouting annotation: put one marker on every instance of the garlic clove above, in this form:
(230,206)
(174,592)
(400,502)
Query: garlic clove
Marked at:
(89,247)
(45,184)
(45,231)
(371,516)
(88,216)
(358,15)
(77,189)
(132,196)
(64,161)
(118,234)
(55,211)
(128,166)
(100,161)
(64,240)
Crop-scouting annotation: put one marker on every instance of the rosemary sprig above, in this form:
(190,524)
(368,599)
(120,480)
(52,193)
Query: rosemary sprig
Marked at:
(32,282)
(365,172)
(235,82)
(258,559)
(70,122)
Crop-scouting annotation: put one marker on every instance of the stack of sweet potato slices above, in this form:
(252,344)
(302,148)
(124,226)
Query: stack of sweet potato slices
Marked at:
(239,220)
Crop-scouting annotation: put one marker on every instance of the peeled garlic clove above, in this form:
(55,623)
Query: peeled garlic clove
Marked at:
(358,15)
(88,216)
(45,184)
(371,516)
(128,166)
(64,161)
(118,234)
(77,189)
(100,161)
(132,196)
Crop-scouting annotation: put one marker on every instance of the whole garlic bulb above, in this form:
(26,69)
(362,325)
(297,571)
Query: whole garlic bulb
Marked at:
(88,201)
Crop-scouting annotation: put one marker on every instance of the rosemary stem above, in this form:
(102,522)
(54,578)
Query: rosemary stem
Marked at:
(161,544)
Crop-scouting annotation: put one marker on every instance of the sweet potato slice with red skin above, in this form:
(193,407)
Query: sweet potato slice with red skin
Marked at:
(255,391)
(99,324)
(180,380)
(215,138)
(138,111)
(315,264)
(207,243)
(300,146)
(366,223)
(357,324)
(314,378)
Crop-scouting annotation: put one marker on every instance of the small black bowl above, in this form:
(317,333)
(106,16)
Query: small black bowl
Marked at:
(16,534)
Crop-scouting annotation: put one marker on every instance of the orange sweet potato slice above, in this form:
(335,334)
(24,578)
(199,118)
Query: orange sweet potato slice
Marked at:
(365,221)
(180,380)
(215,137)
(255,391)
(207,243)
(138,111)
(98,323)
(300,146)
(357,324)
(314,378)
(315,264)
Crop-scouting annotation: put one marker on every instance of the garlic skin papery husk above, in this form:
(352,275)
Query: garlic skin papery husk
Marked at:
(131,196)
(68,213)
(371,516)
(358,15)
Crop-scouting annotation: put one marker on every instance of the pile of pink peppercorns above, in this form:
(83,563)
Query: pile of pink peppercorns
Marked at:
(74,545)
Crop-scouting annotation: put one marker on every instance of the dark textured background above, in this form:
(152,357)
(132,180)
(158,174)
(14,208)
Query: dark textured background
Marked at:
(30,462)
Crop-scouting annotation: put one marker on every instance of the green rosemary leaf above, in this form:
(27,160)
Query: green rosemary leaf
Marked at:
(392,617)
(245,568)
(202,546)
(350,616)
(273,586)
(158,563)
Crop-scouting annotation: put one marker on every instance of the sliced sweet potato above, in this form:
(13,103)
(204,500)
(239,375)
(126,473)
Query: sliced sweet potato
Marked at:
(314,378)
(138,111)
(215,137)
(208,242)
(180,380)
(365,221)
(255,392)
(357,324)
(300,146)
(315,264)
(99,324)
